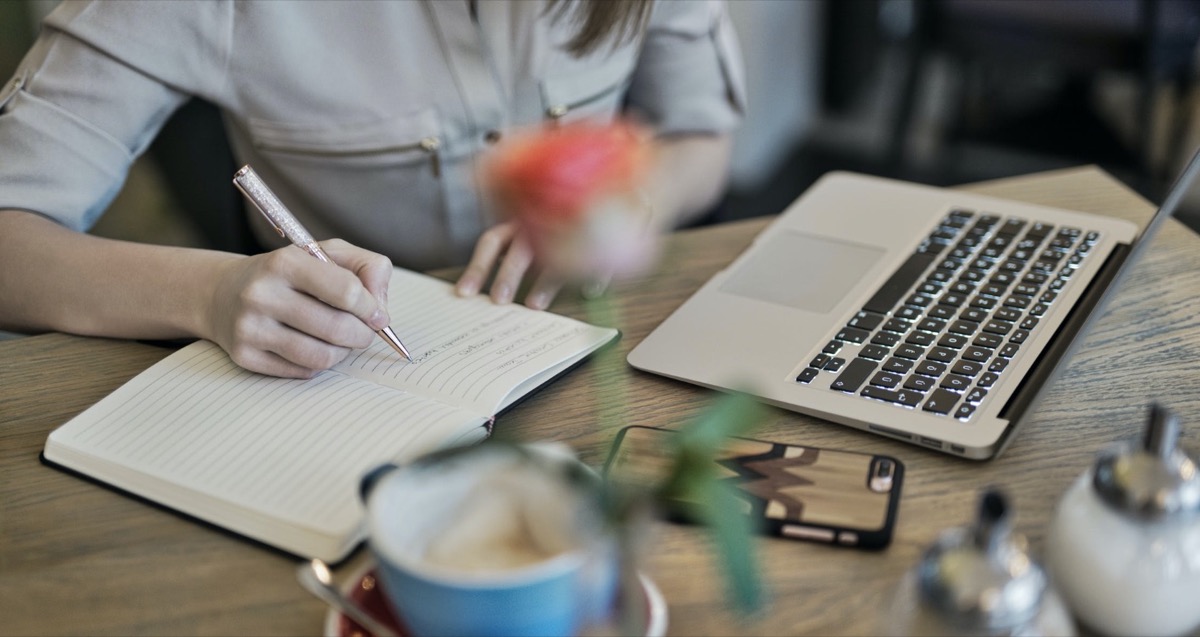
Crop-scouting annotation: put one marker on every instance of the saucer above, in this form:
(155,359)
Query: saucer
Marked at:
(363,589)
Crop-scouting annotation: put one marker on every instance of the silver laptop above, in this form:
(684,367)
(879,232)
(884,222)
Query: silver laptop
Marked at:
(924,314)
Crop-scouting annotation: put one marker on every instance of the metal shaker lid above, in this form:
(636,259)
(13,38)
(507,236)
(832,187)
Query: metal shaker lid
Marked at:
(981,578)
(1152,479)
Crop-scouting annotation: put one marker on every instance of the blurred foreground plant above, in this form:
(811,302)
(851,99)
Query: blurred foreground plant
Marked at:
(577,192)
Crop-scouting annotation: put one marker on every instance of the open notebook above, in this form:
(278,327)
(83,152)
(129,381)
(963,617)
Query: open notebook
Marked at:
(279,460)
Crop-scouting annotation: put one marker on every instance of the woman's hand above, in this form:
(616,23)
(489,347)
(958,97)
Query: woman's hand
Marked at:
(285,313)
(505,249)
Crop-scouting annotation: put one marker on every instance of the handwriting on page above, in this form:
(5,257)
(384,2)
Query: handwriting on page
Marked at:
(467,350)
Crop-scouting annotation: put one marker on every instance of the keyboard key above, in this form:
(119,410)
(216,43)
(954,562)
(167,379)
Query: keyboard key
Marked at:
(886,379)
(1040,230)
(885,339)
(820,361)
(916,382)
(807,375)
(898,365)
(956,382)
(930,368)
(991,289)
(942,401)
(852,335)
(896,325)
(965,328)
(942,312)
(977,354)
(1007,314)
(967,368)
(874,352)
(1018,301)
(1012,226)
(953,299)
(962,287)
(942,354)
(911,352)
(920,338)
(991,341)
(834,364)
(865,320)
(964,411)
(855,374)
(894,289)
(832,347)
(998,327)
(1008,351)
(931,325)
(998,365)
(900,397)
(987,379)
(974,314)
(976,395)
(951,340)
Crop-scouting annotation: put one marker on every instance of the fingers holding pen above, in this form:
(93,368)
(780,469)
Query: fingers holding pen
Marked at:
(308,313)
(374,270)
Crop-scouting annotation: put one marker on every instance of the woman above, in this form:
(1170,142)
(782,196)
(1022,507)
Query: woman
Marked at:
(365,118)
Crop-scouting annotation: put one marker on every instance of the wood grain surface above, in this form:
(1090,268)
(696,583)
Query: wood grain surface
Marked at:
(77,558)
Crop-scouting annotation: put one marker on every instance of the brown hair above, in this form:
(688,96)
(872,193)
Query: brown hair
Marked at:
(600,20)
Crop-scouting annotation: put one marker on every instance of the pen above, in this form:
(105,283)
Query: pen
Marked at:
(289,227)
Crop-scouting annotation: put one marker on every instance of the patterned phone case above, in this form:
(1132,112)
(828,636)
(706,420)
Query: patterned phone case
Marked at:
(837,497)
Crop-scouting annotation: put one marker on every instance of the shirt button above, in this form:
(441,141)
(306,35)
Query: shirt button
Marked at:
(491,136)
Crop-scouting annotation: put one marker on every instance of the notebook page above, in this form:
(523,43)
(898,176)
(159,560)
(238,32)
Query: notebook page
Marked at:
(469,352)
(291,450)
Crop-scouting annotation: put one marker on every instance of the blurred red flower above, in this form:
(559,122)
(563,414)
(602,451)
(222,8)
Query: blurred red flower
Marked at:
(576,190)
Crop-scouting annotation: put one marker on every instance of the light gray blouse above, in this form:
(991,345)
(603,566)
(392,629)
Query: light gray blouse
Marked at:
(364,117)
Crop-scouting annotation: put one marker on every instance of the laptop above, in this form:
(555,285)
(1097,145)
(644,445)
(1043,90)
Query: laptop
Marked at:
(923,314)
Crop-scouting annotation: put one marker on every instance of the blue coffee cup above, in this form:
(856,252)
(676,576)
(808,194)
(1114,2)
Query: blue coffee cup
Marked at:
(492,540)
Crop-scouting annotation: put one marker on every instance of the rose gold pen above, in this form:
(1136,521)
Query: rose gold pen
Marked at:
(289,227)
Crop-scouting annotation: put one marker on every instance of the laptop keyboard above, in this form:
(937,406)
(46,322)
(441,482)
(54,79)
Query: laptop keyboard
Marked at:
(940,332)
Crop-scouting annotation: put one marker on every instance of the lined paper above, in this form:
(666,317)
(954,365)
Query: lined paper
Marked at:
(292,450)
(470,352)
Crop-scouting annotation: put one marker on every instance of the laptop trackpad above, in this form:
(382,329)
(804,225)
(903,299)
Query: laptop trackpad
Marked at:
(802,271)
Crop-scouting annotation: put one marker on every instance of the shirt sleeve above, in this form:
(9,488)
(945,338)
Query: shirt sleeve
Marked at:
(92,93)
(690,75)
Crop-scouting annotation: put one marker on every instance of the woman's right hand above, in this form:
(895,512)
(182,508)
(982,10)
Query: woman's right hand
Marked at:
(285,313)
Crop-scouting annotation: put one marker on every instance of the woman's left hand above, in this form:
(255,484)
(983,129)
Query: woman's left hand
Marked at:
(505,250)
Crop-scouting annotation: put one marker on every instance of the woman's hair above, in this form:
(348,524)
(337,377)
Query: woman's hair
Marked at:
(601,20)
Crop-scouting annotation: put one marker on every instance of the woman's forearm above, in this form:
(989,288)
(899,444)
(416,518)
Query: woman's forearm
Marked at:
(56,279)
(690,176)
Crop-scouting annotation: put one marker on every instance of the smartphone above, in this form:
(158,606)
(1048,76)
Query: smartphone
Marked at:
(842,498)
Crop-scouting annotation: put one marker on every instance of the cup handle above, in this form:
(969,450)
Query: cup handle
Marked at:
(371,478)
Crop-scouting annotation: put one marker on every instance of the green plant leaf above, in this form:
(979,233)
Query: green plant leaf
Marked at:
(713,502)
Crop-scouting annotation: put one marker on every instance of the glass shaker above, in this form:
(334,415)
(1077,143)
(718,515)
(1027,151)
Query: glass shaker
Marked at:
(978,580)
(1124,544)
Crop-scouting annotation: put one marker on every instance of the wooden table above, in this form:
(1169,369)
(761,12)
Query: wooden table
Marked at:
(79,559)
